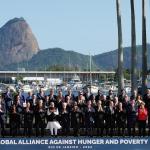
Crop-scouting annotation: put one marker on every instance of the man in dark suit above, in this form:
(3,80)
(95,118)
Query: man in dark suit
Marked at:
(28,120)
(52,97)
(41,95)
(70,94)
(110,118)
(65,119)
(131,117)
(2,120)
(8,100)
(14,122)
(21,96)
(99,118)
(29,97)
(98,96)
(89,118)
(121,97)
(76,119)
(40,115)
(147,102)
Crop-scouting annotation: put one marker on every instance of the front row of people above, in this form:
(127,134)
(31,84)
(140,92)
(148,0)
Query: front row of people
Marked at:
(80,116)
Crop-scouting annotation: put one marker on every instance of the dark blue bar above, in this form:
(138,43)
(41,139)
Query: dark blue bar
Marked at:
(74,143)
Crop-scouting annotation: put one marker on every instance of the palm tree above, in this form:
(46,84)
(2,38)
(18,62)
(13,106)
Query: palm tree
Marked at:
(120,49)
(144,49)
(133,50)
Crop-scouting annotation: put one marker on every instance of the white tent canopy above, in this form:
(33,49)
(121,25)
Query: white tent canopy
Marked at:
(33,78)
(54,81)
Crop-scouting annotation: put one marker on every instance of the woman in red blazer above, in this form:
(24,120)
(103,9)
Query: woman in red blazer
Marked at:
(142,117)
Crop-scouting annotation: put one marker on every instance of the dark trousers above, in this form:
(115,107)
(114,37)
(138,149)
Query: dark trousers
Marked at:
(149,122)
(109,131)
(28,129)
(40,130)
(2,128)
(65,131)
(89,128)
(110,127)
(76,130)
(121,131)
(65,128)
(131,122)
(120,127)
(14,131)
(142,127)
(100,131)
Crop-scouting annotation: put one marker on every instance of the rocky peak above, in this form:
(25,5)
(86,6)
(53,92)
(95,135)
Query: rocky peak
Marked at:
(17,42)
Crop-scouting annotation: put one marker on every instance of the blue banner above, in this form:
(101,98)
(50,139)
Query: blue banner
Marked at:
(74,143)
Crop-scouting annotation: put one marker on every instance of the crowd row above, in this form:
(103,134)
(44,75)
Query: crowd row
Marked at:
(110,114)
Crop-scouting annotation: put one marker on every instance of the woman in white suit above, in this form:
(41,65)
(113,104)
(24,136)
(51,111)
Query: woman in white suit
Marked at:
(52,114)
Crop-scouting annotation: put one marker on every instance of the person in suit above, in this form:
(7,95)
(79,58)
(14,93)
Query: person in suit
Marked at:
(131,117)
(89,115)
(2,120)
(18,104)
(69,103)
(47,102)
(92,98)
(34,103)
(120,119)
(19,107)
(110,118)
(110,95)
(142,118)
(98,96)
(81,101)
(76,119)
(125,102)
(14,122)
(29,97)
(86,93)
(8,98)
(70,94)
(121,97)
(65,119)
(41,95)
(28,120)
(60,100)
(52,96)
(21,97)
(40,115)
(138,101)
(99,115)
(147,105)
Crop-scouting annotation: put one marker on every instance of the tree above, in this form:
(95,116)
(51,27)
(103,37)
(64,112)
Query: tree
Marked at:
(19,78)
(133,50)
(126,73)
(144,49)
(120,49)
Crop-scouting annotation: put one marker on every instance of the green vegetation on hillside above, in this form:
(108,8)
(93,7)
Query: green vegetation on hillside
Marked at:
(59,59)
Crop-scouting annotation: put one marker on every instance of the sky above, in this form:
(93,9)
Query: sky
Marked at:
(85,26)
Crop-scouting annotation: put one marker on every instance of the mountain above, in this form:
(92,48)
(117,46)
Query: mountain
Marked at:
(54,56)
(19,49)
(109,60)
(17,42)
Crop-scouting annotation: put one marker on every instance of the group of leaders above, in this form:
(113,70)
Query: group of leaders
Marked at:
(64,115)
